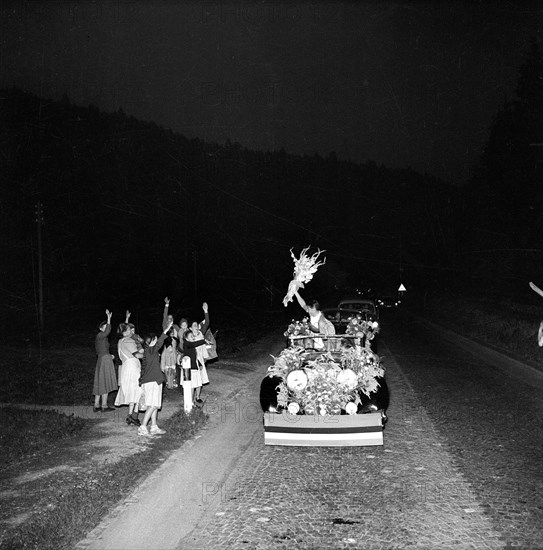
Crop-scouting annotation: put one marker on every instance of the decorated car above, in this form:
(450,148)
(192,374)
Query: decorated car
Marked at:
(335,395)
(324,388)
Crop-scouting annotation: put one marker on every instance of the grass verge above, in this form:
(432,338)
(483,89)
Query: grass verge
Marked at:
(79,501)
(23,431)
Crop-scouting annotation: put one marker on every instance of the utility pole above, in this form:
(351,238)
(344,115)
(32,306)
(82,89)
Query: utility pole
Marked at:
(39,222)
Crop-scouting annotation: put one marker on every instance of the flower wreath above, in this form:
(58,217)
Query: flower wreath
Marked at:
(325,385)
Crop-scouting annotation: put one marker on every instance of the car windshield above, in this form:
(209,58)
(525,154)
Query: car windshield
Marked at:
(358,306)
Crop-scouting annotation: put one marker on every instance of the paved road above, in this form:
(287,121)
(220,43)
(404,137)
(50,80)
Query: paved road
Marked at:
(460,468)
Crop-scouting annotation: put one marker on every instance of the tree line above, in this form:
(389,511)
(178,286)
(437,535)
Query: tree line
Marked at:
(130,207)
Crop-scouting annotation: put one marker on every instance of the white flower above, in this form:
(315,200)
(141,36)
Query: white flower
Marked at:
(296,380)
(348,378)
(293,408)
(351,408)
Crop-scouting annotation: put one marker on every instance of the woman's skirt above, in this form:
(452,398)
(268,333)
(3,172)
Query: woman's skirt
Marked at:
(105,379)
(152,393)
(203,375)
(195,378)
(198,377)
(129,388)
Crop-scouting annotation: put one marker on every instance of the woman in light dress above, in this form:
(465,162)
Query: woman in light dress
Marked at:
(129,373)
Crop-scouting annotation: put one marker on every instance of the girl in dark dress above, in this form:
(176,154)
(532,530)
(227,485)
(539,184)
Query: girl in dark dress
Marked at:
(194,347)
(105,380)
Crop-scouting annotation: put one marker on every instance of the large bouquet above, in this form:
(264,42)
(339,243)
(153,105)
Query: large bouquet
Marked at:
(325,385)
(304,268)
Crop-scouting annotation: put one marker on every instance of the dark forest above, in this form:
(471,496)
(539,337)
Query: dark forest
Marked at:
(131,212)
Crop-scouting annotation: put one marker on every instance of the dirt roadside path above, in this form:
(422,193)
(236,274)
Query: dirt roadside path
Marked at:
(106,440)
(168,504)
(109,439)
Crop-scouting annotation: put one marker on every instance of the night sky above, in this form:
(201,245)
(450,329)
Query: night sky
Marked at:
(401,83)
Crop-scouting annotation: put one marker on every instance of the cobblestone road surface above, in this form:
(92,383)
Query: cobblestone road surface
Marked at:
(461,467)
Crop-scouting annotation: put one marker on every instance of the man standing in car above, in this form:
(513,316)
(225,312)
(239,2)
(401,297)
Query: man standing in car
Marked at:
(317,321)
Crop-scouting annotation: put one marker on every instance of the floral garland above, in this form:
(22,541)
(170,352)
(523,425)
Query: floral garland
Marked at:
(298,328)
(359,327)
(327,384)
(288,360)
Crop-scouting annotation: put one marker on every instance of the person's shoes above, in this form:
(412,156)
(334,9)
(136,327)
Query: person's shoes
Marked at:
(107,409)
(142,430)
(155,430)
(96,409)
(131,420)
(199,401)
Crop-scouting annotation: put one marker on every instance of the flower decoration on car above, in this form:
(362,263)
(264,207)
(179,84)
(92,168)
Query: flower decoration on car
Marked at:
(298,328)
(288,360)
(359,327)
(366,365)
(326,383)
(297,380)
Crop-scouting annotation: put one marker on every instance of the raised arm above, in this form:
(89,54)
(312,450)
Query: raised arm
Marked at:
(156,348)
(127,316)
(102,334)
(301,301)
(167,328)
(108,326)
(206,323)
(165,313)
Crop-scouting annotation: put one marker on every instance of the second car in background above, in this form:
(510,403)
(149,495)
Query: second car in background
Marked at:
(388,301)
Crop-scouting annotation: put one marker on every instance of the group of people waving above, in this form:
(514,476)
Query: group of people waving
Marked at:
(146,363)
